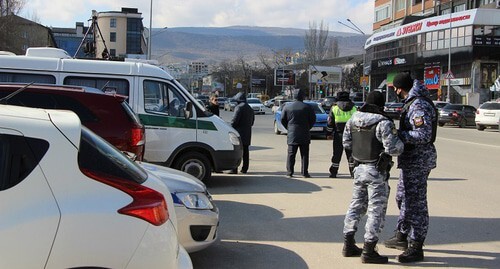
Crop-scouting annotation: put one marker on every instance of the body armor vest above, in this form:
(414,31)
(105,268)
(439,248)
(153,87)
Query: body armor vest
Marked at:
(365,146)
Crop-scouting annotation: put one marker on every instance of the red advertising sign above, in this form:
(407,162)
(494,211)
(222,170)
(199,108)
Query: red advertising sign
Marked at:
(432,77)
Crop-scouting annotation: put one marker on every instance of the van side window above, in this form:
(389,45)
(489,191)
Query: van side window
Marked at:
(119,86)
(27,78)
(18,157)
(164,98)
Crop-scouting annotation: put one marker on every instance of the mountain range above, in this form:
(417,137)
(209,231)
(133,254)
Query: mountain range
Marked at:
(215,44)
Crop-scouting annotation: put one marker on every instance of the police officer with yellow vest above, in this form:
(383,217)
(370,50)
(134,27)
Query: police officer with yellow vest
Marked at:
(339,115)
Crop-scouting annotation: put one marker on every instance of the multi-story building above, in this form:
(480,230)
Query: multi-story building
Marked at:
(73,40)
(449,44)
(121,32)
(17,34)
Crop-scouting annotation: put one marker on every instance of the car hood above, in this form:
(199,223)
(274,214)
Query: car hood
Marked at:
(176,181)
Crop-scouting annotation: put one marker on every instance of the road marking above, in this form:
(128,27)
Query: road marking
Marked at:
(472,143)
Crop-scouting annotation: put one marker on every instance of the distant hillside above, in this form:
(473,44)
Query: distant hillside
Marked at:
(212,44)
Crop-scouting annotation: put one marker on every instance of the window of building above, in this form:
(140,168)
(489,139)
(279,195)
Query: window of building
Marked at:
(459,8)
(112,37)
(400,4)
(112,23)
(489,73)
(485,2)
(134,36)
(416,2)
(382,13)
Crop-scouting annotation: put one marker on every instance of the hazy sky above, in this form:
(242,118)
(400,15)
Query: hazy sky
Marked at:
(212,13)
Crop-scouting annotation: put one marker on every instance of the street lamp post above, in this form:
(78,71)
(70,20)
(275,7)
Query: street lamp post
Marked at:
(150,29)
(449,58)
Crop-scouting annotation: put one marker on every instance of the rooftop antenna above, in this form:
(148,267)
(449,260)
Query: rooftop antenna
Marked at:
(90,46)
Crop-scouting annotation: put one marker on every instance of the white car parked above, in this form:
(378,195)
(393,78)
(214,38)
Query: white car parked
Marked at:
(197,215)
(69,199)
(488,115)
(257,106)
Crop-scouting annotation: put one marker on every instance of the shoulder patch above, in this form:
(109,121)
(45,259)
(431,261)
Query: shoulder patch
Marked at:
(418,121)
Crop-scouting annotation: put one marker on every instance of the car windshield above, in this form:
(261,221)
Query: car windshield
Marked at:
(253,101)
(440,105)
(490,106)
(317,109)
(453,107)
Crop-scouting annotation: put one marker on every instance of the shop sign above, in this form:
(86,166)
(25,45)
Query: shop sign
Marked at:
(432,77)
(486,40)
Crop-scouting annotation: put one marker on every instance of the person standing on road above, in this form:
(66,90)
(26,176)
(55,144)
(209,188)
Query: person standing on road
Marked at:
(417,130)
(242,121)
(372,138)
(213,106)
(298,118)
(340,113)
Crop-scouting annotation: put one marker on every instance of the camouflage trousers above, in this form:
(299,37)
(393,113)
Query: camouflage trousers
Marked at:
(411,197)
(370,194)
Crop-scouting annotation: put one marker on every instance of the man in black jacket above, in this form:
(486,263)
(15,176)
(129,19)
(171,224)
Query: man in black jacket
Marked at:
(298,118)
(242,121)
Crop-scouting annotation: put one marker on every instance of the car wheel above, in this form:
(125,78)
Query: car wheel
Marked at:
(441,124)
(480,127)
(462,123)
(195,164)
(276,129)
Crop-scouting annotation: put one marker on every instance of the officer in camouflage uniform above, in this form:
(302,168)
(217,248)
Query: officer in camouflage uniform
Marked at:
(372,138)
(417,130)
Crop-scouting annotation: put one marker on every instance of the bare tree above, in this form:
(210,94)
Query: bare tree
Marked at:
(333,50)
(315,42)
(10,7)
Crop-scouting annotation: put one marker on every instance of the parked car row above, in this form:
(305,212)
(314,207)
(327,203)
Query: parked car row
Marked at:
(192,209)
(71,200)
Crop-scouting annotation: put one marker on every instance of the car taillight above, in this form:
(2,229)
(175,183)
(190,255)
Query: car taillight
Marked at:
(147,204)
(137,137)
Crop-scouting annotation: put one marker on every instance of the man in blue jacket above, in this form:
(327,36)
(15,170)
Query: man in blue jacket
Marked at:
(417,130)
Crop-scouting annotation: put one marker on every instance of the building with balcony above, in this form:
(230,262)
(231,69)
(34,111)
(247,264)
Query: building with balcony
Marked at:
(421,36)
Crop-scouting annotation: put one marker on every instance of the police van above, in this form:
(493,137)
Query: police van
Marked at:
(180,133)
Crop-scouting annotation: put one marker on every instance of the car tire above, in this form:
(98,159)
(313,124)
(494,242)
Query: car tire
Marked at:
(480,127)
(441,124)
(195,164)
(276,129)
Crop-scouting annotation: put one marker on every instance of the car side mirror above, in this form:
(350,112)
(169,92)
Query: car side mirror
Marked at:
(188,111)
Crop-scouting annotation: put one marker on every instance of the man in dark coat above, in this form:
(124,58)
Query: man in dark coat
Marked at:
(242,121)
(298,118)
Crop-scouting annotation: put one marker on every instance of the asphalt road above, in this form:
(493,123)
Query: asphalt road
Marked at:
(270,221)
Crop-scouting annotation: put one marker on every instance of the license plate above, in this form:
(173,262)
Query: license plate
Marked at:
(316,129)
(489,114)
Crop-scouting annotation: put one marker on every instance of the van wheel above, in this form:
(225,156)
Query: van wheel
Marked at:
(480,127)
(276,130)
(195,164)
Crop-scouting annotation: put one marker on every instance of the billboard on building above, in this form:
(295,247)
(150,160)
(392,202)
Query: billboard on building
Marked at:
(432,78)
(285,77)
(325,74)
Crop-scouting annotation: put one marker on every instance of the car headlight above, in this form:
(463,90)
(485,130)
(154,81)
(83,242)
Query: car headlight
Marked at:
(234,138)
(193,200)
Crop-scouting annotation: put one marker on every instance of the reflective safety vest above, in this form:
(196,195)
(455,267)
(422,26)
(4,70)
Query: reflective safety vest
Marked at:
(342,116)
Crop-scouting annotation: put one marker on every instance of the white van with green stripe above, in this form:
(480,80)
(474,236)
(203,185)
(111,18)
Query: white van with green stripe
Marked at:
(180,133)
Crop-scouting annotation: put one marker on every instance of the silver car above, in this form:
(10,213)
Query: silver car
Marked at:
(197,215)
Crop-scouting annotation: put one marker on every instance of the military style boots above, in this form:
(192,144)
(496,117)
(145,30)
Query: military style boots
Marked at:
(370,255)
(350,249)
(414,253)
(398,241)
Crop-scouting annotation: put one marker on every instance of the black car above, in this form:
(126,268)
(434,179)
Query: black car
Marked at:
(457,114)
(393,110)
